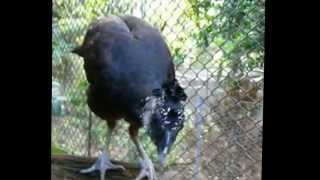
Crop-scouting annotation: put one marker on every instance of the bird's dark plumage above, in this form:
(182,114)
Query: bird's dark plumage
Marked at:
(127,64)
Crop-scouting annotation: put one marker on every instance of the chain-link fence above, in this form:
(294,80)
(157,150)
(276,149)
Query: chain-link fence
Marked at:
(218,50)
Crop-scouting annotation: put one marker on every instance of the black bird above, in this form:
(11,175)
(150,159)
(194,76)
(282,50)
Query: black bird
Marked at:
(131,76)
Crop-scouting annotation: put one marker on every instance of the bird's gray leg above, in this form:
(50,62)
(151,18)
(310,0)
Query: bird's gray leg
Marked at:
(147,168)
(103,163)
(108,138)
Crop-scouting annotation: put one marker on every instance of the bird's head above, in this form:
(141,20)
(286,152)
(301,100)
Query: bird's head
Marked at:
(163,119)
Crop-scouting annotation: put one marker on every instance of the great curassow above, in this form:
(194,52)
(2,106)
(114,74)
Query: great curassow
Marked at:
(131,76)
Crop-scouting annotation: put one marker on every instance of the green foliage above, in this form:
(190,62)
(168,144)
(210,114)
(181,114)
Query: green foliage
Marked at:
(235,27)
(56,150)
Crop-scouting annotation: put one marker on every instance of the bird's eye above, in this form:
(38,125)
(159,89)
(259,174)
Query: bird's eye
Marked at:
(172,113)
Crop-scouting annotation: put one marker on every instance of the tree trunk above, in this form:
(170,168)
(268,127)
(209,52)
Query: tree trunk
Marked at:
(65,167)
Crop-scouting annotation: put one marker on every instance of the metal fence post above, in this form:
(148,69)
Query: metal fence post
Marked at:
(198,134)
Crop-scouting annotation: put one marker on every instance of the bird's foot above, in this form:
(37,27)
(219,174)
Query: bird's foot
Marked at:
(102,164)
(147,170)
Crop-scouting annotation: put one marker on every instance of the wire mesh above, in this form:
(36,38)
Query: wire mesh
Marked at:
(218,50)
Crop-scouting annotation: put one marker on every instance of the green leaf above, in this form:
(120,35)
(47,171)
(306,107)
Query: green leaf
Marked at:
(56,150)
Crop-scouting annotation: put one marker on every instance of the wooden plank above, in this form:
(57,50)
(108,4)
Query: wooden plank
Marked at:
(65,167)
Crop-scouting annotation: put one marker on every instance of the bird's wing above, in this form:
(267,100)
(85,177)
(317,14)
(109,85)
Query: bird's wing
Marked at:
(100,37)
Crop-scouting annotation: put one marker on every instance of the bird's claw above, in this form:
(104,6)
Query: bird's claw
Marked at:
(102,164)
(147,170)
